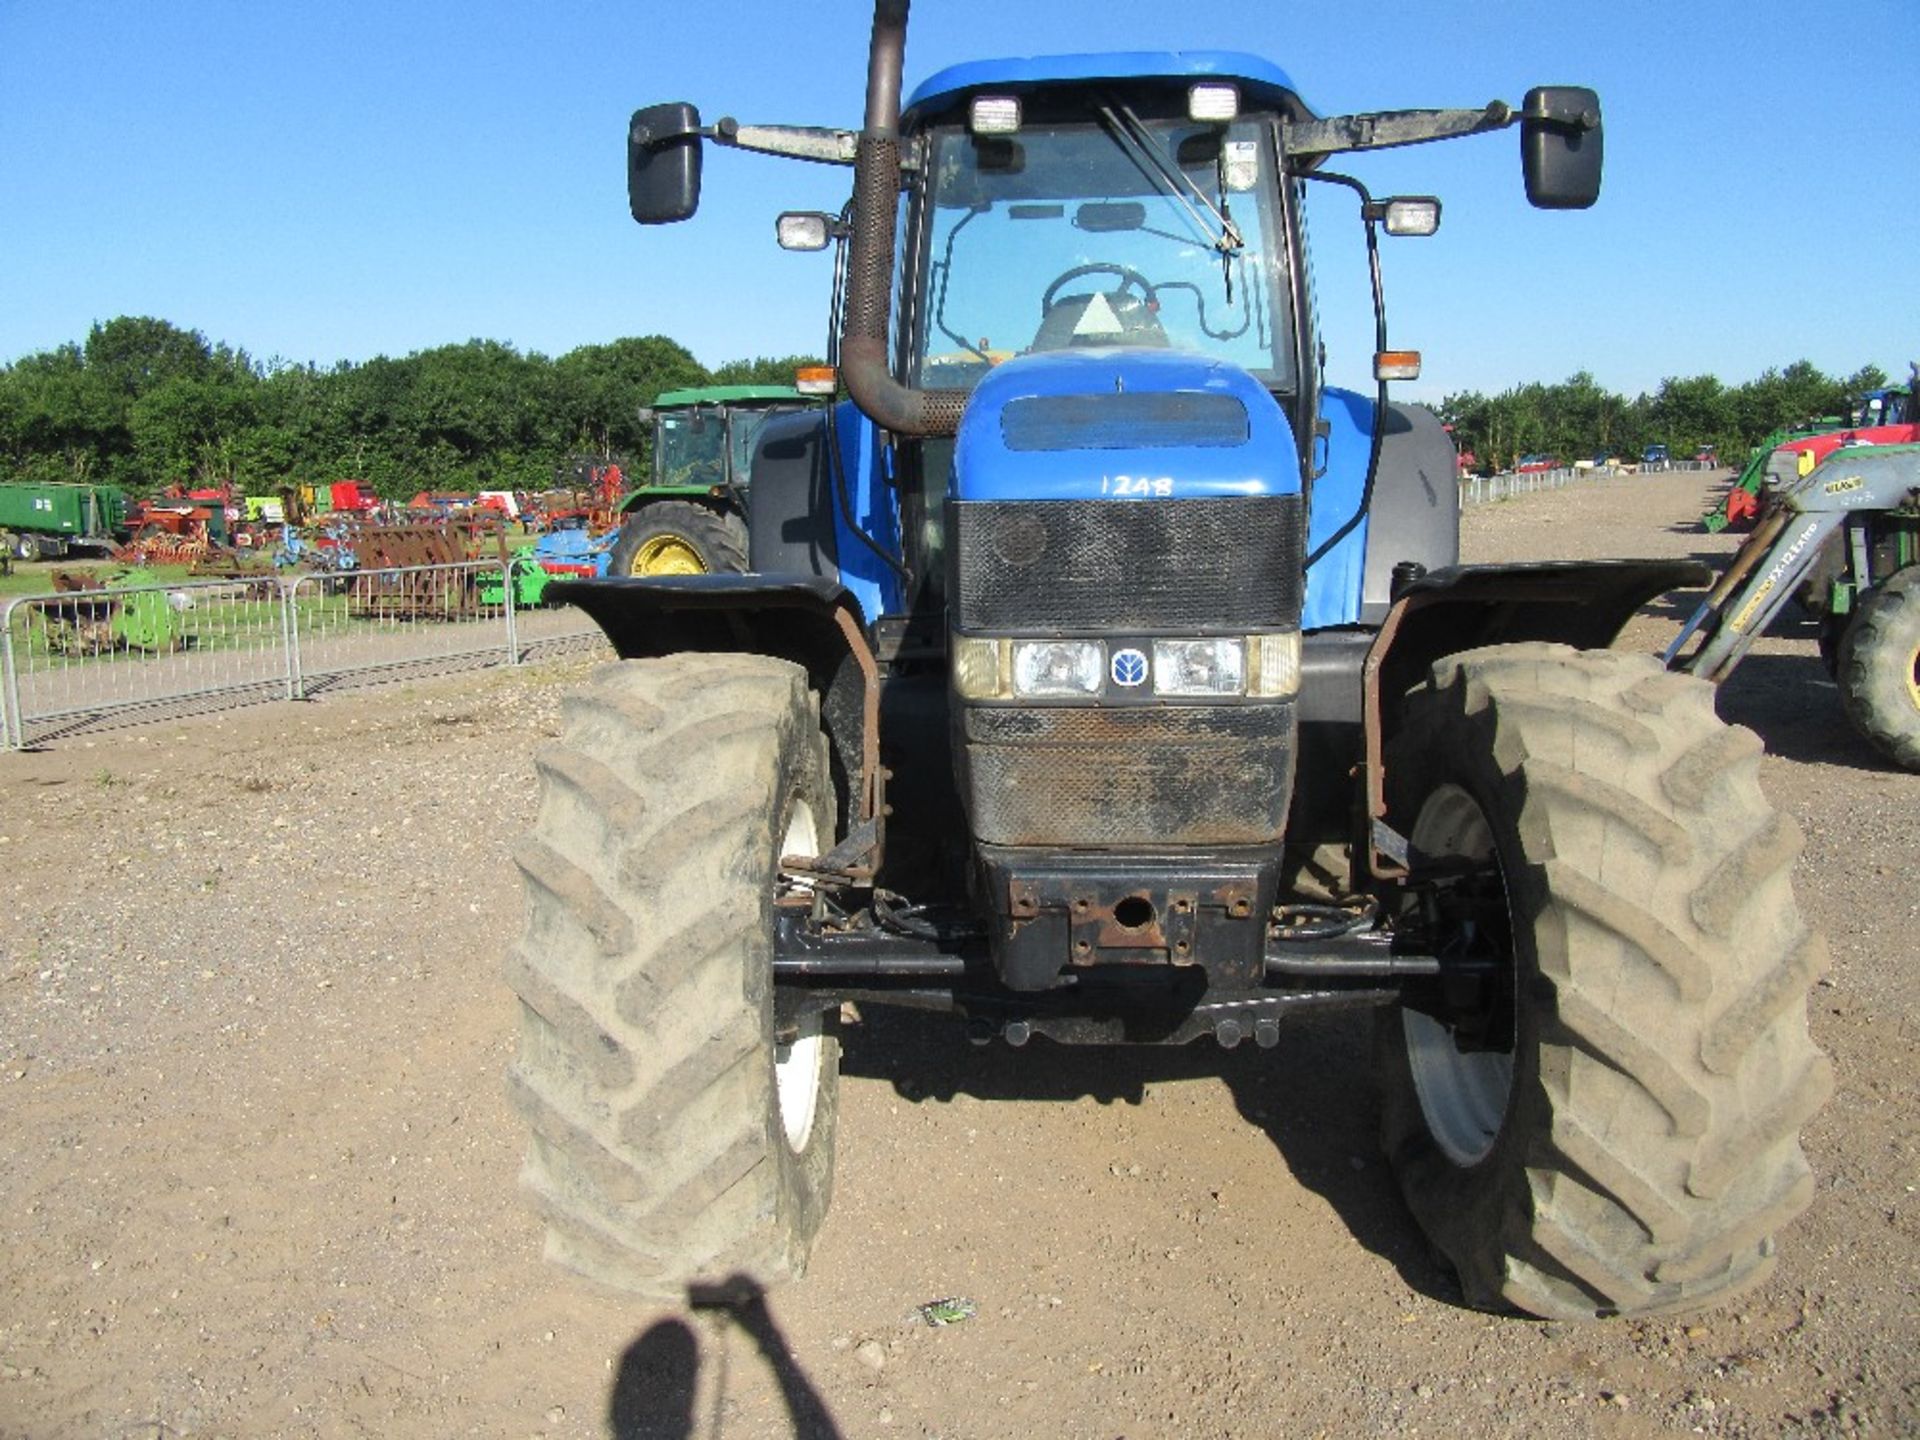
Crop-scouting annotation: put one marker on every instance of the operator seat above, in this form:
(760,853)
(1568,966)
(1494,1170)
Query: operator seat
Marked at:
(1079,321)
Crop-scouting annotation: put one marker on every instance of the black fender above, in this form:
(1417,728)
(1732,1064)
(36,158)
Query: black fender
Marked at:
(811,620)
(1415,510)
(791,502)
(1584,604)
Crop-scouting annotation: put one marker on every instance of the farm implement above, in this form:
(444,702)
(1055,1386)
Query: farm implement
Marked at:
(1843,540)
(1882,417)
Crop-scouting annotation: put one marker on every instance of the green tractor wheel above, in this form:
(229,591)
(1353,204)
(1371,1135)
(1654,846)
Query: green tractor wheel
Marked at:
(677,537)
(1879,668)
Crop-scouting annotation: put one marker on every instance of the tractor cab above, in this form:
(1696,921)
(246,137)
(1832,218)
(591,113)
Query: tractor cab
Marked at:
(689,517)
(1063,209)
(1888,405)
(703,437)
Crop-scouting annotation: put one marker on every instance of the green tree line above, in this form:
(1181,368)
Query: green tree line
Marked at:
(145,404)
(1578,419)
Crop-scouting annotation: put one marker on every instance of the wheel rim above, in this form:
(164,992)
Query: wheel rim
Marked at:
(668,555)
(798,1060)
(1913,678)
(1463,1093)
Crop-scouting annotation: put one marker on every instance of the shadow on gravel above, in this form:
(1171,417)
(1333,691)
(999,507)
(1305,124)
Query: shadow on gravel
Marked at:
(1311,1095)
(1794,707)
(1679,605)
(657,1385)
(1789,701)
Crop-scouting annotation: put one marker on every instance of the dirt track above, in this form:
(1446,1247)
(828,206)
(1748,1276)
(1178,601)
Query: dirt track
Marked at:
(261,1170)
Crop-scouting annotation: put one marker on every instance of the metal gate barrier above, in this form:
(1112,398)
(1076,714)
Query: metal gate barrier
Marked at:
(73,659)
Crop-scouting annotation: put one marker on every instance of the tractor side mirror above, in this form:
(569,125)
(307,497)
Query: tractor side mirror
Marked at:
(1560,146)
(663,163)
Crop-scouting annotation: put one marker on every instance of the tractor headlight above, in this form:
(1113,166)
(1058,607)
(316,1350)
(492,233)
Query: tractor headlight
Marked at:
(1258,667)
(994,115)
(1213,101)
(1058,667)
(1215,666)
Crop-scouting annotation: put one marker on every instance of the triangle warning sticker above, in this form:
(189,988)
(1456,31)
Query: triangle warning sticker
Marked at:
(1098,318)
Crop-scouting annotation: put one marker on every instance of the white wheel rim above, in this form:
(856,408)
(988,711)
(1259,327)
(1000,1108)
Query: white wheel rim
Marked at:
(797,1062)
(1463,1094)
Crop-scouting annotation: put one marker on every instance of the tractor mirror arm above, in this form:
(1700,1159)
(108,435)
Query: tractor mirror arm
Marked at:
(1560,140)
(1383,130)
(795,142)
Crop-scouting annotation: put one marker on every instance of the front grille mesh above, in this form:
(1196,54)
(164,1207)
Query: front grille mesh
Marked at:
(1228,563)
(1129,777)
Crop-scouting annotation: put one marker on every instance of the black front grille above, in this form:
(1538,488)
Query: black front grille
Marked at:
(1142,420)
(1095,775)
(1144,565)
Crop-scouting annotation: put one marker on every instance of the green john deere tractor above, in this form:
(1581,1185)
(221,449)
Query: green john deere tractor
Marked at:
(689,516)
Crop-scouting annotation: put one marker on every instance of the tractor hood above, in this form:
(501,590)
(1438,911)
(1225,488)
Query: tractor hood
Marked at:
(1122,424)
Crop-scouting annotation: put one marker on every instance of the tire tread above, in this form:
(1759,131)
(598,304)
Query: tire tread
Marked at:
(1676,968)
(646,1085)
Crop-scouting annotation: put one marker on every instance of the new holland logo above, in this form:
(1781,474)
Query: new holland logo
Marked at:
(1129,668)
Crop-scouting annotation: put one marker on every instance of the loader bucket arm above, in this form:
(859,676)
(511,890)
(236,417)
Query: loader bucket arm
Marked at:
(1767,570)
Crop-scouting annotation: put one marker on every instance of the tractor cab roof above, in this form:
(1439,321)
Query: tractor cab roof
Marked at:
(730,395)
(1262,83)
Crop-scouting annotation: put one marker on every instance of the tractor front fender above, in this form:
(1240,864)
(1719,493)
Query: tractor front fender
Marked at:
(810,620)
(1584,604)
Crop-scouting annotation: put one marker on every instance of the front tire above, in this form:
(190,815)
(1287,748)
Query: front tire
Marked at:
(1878,668)
(677,537)
(1616,1131)
(675,1135)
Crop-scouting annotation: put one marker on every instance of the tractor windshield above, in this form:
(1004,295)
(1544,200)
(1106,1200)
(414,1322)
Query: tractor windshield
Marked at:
(1116,231)
(690,448)
(711,445)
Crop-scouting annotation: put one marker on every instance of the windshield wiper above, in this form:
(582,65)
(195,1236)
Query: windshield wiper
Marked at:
(1134,137)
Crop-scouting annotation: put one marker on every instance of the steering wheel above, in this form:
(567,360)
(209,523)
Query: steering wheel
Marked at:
(1129,279)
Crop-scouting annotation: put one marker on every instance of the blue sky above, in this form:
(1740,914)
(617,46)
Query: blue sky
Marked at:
(326,182)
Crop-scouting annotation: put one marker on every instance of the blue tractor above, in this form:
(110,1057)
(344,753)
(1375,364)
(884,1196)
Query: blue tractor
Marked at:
(1103,675)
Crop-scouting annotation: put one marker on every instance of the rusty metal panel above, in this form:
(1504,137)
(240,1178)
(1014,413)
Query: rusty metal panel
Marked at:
(1092,913)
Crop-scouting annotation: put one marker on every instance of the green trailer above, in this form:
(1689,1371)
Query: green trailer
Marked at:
(45,521)
(689,516)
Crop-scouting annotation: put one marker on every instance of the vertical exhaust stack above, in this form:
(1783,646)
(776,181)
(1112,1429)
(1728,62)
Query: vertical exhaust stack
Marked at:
(876,193)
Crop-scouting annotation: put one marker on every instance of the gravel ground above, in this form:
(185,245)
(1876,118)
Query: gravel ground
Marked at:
(261,1179)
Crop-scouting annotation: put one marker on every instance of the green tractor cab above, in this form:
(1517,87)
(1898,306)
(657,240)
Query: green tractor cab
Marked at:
(690,515)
